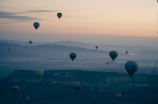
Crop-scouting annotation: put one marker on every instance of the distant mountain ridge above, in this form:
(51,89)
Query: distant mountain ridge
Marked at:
(52,56)
(56,55)
(83,45)
(43,50)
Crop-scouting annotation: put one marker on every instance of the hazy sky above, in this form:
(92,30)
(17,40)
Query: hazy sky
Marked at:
(83,20)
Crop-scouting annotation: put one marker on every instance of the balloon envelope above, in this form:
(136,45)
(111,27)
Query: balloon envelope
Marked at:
(96,47)
(27,98)
(30,42)
(59,15)
(78,88)
(9,48)
(15,89)
(72,56)
(131,67)
(39,72)
(118,95)
(113,55)
(36,25)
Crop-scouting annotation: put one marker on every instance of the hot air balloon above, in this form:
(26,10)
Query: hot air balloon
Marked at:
(27,98)
(30,42)
(36,25)
(96,47)
(118,95)
(9,48)
(59,15)
(78,83)
(78,88)
(113,55)
(39,72)
(126,52)
(15,89)
(131,67)
(72,56)
(107,63)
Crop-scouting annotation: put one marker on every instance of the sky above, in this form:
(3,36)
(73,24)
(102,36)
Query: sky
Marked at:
(112,22)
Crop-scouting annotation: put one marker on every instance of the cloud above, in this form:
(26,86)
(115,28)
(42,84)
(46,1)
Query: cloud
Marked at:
(37,11)
(3,7)
(115,36)
(14,16)
(3,22)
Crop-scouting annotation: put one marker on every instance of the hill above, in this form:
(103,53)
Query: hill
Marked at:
(97,87)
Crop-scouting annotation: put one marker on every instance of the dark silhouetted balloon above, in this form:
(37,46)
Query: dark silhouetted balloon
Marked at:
(131,67)
(96,47)
(113,55)
(72,56)
(30,42)
(36,25)
(78,88)
(59,15)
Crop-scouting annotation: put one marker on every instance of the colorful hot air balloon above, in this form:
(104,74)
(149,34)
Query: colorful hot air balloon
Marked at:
(59,15)
(96,47)
(15,89)
(72,56)
(9,48)
(113,55)
(78,88)
(131,67)
(39,72)
(36,25)
(118,95)
(30,42)
(126,52)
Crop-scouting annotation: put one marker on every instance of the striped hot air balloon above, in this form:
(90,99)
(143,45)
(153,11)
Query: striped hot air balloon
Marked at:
(15,89)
